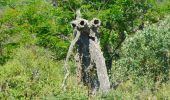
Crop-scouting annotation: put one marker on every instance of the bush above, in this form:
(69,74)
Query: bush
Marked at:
(143,70)
(140,89)
(147,53)
(158,10)
(33,74)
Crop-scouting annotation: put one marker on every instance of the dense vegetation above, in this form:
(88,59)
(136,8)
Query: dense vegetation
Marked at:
(35,35)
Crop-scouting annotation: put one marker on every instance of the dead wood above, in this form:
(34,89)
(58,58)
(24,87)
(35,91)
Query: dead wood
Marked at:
(97,57)
(67,58)
(91,65)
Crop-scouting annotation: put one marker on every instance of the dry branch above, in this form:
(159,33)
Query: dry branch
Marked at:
(91,62)
(67,59)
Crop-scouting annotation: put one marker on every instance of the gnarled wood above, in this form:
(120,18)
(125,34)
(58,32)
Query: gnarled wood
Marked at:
(91,63)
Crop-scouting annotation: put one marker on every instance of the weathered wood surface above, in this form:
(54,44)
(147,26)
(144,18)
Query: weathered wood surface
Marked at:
(98,59)
(91,67)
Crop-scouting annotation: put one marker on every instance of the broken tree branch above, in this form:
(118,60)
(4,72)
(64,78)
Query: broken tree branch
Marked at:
(67,59)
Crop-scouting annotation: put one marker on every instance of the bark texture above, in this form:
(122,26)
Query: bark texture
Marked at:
(99,61)
(91,67)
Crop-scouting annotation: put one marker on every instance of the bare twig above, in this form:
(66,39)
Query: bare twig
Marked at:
(67,59)
(78,14)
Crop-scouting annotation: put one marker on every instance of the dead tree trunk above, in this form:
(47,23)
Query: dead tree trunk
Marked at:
(98,59)
(91,63)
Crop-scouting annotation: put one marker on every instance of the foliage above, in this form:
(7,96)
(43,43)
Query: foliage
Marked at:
(138,90)
(35,35)
(33,74)
(142,72)
(40,23)
(35,22)
(159,9)
(147,53)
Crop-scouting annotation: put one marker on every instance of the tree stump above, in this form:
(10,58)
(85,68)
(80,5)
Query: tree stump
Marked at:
(91,67)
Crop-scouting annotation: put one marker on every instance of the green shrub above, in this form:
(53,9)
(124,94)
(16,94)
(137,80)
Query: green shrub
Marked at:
(33,74)
(142,88)
(158,10)
(147,53)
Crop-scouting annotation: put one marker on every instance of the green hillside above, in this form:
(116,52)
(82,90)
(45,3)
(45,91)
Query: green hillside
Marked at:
(35,36)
